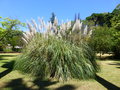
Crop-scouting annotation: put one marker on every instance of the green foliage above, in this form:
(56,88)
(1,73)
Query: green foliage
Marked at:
(116,21)
(116,40)
(106,40)
(11,24)
(100,19)
(108,19)
(116,17)
(2,42)
(8,50)
(13,38)
(57,58)
(9,33)
(97,18)
(116,11)
(102,40)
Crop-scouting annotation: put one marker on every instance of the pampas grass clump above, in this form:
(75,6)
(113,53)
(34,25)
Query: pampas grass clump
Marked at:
(54,55)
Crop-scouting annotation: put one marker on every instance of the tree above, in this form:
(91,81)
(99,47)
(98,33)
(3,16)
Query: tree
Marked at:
(77,17)
(101,40)
(116,17)
(107,19)
(116,11)
(14,38)
(52,18)
(9,31)
(116,28)
(116,22)
(10,24)
(2,32)
(96,18)
(116,41)
(100,19)
(111,20)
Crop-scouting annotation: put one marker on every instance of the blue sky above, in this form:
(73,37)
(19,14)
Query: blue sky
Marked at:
(64,9)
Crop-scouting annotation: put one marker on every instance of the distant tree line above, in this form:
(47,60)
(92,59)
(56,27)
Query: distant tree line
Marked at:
(106,31)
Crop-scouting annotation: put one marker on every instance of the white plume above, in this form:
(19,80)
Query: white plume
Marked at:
(63,30)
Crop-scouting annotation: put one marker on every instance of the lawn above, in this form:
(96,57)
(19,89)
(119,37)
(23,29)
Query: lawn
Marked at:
(107,78)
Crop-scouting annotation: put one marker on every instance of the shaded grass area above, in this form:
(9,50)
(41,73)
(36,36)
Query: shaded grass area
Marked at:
(107,79)
(106,83)
(9,66)
(110,71)
(6,63)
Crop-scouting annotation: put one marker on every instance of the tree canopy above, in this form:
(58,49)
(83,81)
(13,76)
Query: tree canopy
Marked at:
(105,38)
(10,32)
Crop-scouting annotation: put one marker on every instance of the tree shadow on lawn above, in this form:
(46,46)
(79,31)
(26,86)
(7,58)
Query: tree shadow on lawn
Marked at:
(20,84)
(43,84)
(66,87)
(105,58)
(2,56)
(8,55)
(9,66)
(118,67)
(116,64)
(106,84)
(16,84)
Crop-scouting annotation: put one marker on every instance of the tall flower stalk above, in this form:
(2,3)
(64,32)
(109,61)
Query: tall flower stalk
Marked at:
(65,30)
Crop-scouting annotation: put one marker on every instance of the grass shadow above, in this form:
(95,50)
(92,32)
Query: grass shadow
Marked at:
(66,87)
(16,84)
(118,67)
(9,66)
(43,84)
(106,84)
(2,57)
(115,63)
(20,84)
(2,74)
(7,55)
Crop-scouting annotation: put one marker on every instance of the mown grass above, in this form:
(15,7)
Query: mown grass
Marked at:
(12,80)
(110,70)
